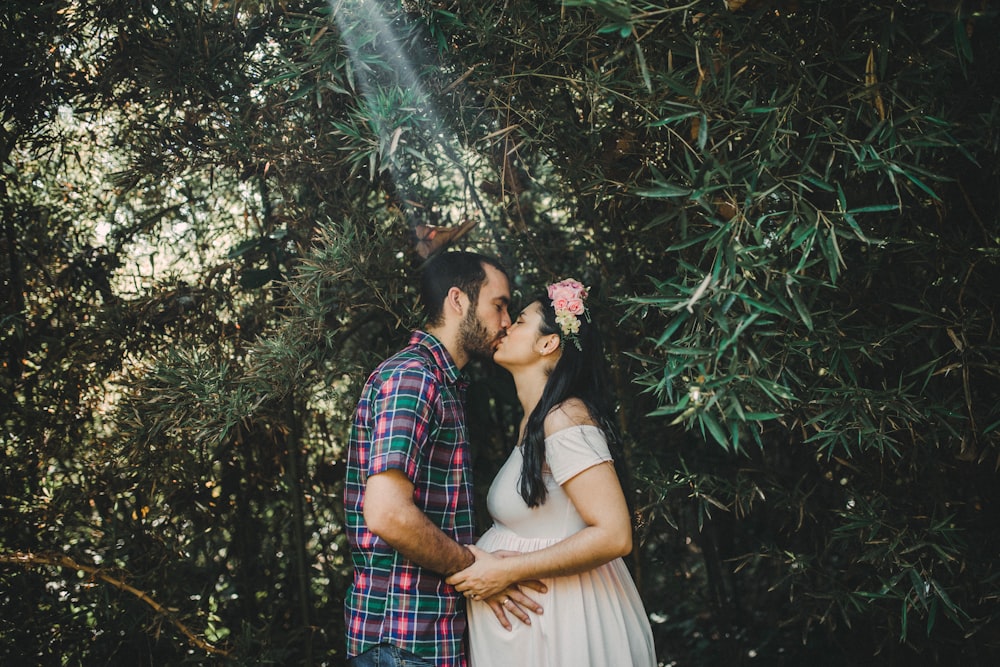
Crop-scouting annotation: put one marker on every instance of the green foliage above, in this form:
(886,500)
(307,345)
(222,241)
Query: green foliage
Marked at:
(806,210)
(212,218)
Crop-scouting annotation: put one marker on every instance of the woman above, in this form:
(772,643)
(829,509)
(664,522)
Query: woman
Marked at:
(558,508)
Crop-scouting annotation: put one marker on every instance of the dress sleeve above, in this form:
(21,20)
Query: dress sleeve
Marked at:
(572,450)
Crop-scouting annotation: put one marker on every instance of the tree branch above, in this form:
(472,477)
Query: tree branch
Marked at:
(59,560)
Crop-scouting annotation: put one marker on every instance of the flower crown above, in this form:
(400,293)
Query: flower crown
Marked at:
(567,300)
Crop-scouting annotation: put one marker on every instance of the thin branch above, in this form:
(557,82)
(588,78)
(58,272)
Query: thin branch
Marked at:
(59,560)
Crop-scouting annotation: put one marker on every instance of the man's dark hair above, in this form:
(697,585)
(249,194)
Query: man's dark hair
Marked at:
(457,268)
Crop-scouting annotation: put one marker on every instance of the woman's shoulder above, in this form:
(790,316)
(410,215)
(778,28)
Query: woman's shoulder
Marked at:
(571,412)
(573,440)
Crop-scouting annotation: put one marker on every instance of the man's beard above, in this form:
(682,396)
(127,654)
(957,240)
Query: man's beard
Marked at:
(474,338)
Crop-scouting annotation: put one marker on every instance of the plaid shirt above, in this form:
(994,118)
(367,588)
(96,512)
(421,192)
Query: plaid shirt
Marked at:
(410,418)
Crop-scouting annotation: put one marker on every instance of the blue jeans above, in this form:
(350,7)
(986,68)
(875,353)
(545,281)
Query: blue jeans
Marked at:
(385,655)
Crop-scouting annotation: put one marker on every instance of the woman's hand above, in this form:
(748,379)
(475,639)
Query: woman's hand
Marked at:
(510,598)
(488,576)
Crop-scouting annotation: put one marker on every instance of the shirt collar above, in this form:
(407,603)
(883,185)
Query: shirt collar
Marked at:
(438,352)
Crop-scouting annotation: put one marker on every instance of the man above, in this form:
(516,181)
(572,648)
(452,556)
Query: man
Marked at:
(408,496)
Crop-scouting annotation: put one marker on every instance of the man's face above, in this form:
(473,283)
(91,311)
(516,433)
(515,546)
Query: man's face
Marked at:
(484,325)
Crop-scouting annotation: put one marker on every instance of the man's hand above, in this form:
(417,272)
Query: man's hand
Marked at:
(517,603)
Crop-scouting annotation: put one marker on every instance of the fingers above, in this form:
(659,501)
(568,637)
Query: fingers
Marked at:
(522,601)
(479,590)
(534,584)
(502,604)
(511,606)
(496,606)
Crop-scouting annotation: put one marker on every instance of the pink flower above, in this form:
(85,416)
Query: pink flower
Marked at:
(567,300)
(561,293)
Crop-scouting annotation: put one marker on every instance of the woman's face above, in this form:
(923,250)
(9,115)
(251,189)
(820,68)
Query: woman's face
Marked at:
(522,342)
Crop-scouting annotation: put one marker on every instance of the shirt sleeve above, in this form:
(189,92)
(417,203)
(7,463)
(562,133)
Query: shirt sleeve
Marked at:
(572,450)
(402,412)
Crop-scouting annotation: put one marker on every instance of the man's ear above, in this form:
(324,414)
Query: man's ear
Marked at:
(456,301)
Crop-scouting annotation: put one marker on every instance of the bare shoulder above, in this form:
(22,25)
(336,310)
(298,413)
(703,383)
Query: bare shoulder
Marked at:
(569,413)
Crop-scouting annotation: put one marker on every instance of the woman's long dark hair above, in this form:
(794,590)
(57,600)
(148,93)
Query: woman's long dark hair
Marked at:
(581,373)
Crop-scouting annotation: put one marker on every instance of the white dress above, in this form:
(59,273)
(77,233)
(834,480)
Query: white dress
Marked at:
(595,618)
